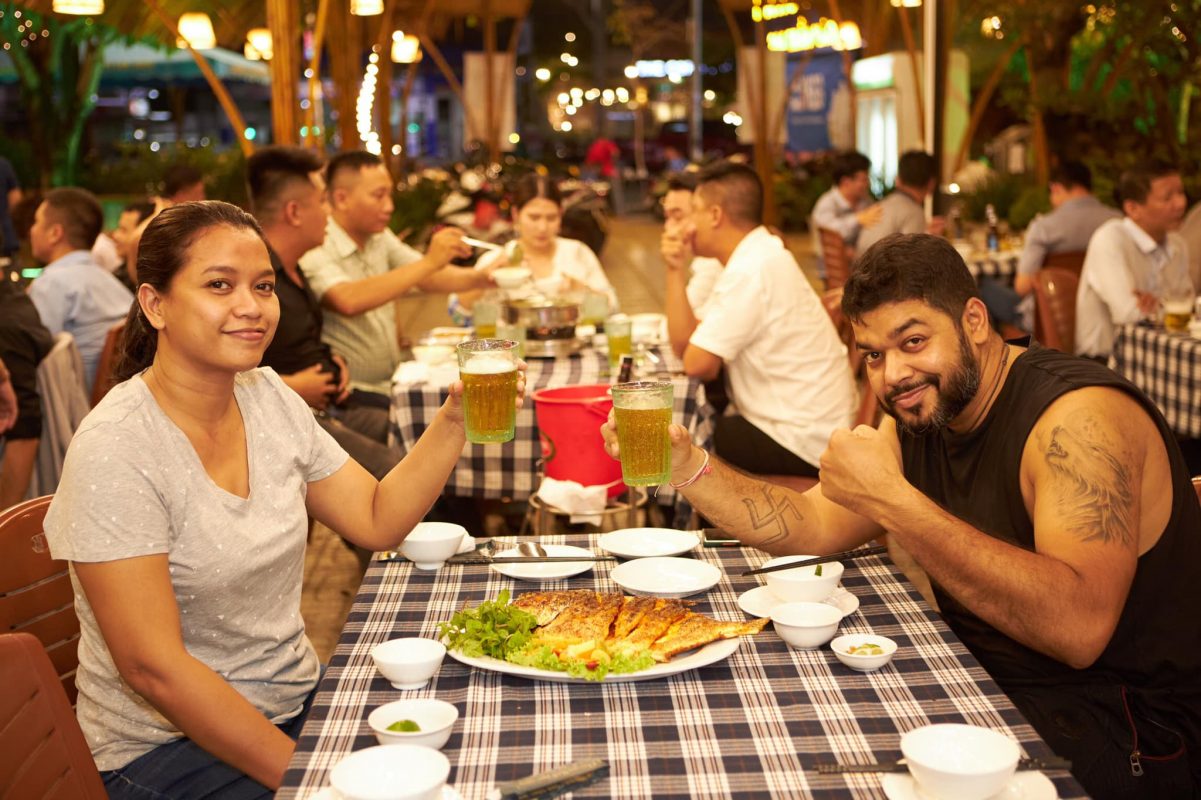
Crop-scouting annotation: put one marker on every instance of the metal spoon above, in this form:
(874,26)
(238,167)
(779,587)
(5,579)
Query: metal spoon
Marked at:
(531,549)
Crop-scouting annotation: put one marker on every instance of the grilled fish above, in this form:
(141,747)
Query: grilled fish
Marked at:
(586,618)
(694,630)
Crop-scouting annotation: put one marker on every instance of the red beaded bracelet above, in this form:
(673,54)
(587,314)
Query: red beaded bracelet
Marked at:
(700,473)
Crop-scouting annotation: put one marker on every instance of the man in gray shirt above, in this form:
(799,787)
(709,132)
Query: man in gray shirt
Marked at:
(904,211)
(1076,214)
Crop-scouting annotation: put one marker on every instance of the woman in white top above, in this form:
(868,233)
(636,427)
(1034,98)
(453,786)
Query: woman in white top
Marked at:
(183,513)
(559,267)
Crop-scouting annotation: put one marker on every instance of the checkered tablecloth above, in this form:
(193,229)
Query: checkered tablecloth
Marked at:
(512,470)
(753,725)
(1167,368)
(1002,266)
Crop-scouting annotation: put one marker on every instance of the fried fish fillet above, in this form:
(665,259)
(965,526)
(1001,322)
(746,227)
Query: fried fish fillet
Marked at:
(656,620)
(633,609)
(695,630)
(546,606)
(587,617)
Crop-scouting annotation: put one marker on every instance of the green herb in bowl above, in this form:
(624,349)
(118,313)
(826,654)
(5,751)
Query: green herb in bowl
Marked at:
(405,726)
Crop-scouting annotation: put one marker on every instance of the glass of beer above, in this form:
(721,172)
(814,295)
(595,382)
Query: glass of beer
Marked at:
(643,412)
(618,329)
(593,309)
(488,368)
(484,316)
(515,333)
(1177,311)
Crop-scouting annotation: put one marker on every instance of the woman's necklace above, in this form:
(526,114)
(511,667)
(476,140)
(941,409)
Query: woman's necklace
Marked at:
(992,393)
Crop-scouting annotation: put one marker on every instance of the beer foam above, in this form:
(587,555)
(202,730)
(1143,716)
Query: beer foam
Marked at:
(488,365)
(641,402)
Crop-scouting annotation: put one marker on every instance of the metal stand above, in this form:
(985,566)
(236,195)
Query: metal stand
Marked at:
(623,511)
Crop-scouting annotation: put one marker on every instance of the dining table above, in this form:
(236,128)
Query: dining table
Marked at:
(756,723)
(1167,368)
(514,470)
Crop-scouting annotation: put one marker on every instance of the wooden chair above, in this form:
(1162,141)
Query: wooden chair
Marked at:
(837,257)
(35,590)
(108,360)
(1197,486)
(42,750)
(1055,308)
(1072,261)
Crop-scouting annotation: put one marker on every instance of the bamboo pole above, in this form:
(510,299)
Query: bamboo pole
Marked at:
(907,32)
(223,98)
(383,84)
(282,22)
(310,115)
(490,124)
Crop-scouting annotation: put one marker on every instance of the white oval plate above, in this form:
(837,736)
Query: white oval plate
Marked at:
(551,571)
(760,601)
(448,793)
(665,577)
(694,659)
(648,542)
(1022,786)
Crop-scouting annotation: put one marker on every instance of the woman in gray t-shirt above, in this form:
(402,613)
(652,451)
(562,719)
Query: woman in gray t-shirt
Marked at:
(183,512)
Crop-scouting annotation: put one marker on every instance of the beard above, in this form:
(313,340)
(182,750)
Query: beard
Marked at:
(955,390)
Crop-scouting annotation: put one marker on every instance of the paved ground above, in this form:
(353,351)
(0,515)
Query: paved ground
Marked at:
(631,260)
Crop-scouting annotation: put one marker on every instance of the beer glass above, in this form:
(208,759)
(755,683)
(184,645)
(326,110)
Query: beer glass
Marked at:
(484,316)
(1177,311)
(488,368)
(618,330)
(643,411)
(593,309)
(515,333)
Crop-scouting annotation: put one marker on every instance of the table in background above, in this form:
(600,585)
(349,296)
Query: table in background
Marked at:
(1167,368)
(1002,266)
(513,470)
(753,725)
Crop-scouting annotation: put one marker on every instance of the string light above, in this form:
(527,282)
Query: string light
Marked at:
(364,108)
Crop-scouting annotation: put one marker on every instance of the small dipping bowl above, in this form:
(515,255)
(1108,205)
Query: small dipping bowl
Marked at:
(803,584)
(805,625)
(408,663)
(435,718)
(510,277)
(429,544)
(863,663)
(394,772)
(951,761)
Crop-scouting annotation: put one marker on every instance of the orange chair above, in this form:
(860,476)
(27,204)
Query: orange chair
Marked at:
(1055,308)
(108,360)
(35,590)
(1072,261)
(42,750)
(837,257)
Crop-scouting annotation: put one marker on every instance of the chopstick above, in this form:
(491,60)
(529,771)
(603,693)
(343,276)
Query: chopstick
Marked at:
(527,559)
(845,555)
(481,244)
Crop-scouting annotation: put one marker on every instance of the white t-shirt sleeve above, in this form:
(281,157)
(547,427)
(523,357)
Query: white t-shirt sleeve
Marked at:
(732,318)
(1110,278)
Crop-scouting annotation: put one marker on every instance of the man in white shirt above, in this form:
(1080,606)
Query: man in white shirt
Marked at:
(363,267)
(847,207)
(790,381)
(74,293)
(703,272)
(1133,263)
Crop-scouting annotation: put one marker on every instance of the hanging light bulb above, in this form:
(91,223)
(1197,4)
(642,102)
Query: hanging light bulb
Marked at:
(848,33)
(406,48)
(85,8)
(258,42)
(196,29)
(366,8)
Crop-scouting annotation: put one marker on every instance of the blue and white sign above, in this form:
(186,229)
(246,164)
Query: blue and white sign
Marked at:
(811,98)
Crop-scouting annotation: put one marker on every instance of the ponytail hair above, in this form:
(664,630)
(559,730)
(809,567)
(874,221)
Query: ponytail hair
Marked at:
(162,253)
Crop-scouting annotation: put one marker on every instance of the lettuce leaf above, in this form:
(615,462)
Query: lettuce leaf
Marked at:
(494,629)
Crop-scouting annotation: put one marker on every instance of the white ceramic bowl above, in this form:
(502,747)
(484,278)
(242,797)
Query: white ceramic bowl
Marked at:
(959,762)
(806,625)
(408,663)
(429,544)
(433,353)
(435,718)
(665,576)
(863,663)
(394,772)
(510,277)
(803,584)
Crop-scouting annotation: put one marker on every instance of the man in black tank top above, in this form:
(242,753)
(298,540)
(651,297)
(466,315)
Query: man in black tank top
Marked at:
(1044,496)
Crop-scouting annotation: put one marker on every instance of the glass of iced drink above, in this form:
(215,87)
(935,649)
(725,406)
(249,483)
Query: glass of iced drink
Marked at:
(643,412)
(618,329)
(488,368)
(484,316)
(1178,311)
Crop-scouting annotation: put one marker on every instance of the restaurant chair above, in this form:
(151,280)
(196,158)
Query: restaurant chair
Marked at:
(108,361)
(1197,486)
(1055,308)
(837,257)
(1072,261)
(42,750)
(35,590)
(63,390)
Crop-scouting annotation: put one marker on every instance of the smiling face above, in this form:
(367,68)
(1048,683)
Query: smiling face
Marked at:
(922,363)
(539,221)
(220,310)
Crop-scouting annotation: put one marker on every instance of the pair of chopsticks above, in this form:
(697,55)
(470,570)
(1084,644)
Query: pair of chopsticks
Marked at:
(845,555)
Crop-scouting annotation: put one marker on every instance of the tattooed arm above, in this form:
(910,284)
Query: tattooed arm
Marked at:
(1084,473)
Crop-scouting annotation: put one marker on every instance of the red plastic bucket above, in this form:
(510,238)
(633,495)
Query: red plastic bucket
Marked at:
(569,420)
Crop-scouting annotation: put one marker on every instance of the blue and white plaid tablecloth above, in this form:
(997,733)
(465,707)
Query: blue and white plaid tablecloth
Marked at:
(512,470)
(1002,266)
(1167,367)
(753,725)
